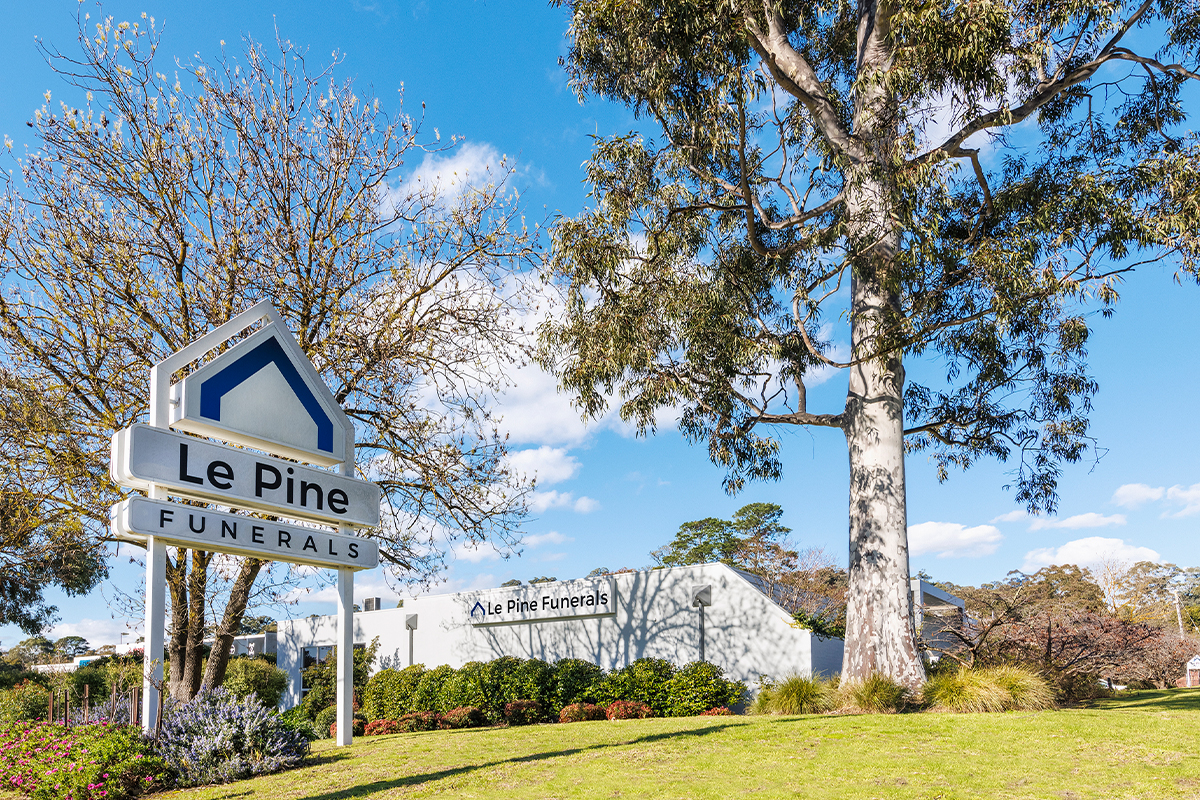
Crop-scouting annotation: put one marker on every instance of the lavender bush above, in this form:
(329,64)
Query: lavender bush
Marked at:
(217,738)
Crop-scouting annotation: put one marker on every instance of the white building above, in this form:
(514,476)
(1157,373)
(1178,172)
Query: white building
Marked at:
(611,621)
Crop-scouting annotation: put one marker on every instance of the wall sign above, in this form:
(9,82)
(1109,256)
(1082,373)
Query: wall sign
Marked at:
(138,518)
(589,597)
(195,468)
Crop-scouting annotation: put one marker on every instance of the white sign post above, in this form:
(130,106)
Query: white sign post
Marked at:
(262,393)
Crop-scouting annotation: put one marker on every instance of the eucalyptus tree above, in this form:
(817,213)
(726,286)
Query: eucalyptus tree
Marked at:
(955,179)
(159,201)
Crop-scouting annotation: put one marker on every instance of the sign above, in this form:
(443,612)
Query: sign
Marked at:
(195,468)
(1194,663)
(589,597)
(263,393)
(138,518)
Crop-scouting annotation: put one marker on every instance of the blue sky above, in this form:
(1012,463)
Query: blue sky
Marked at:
(489,72)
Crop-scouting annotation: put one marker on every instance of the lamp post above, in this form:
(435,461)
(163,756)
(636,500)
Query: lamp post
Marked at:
(702,598)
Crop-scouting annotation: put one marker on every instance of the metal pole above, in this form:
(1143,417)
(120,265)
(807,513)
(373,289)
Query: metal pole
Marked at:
(701,632)
(410,646)
(156,614)
(345,658)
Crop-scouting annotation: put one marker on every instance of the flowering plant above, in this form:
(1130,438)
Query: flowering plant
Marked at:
(217,738)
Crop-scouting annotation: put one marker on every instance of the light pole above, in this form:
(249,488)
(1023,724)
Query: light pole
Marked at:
(702,597)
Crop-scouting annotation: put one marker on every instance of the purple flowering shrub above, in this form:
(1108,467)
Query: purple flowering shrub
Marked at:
(217,738)
(51,762)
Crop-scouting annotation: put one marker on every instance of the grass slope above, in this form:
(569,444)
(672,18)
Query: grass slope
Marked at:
(1143,746)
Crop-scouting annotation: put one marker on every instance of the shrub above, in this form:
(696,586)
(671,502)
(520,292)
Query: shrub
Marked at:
(321,679)
(216,738)
(1005,688)
(25,702)
(382,727)
(428,695)
(797,694)
(325,720)
(575,681)
(628,709)
(719,711)
(464,717)
(86,762)
(498,679)
(257,676)
(467,687)
(389,692)
(421,721)
(294,720)
(700,686)
(644,681)
(581,712)
(358,727)
(523,712)
(878,694)
(531,679)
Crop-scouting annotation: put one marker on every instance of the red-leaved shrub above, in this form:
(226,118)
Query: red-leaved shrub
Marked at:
(628,709)
(523,712)
(382,727)
(719,711)
(464,717)
(420,721)
(357,729)
(581,712)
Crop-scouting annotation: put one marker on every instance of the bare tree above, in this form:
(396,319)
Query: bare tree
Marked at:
(164,199)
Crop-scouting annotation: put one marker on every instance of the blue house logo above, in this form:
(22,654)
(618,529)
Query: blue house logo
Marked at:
(264,393)
(478,607)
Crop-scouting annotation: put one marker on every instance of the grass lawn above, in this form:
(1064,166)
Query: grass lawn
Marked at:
(1146,745)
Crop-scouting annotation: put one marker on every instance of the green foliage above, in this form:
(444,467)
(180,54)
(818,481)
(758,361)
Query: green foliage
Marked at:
(645,680)
(1004,688)
(797,694)
(699,686)
(468,686)
(575,680)
(428,695)
(244,676)
(532,679)
(326,717)
(25,702)
(821,625)
(389,692)
(877,694)
(86,762)
(322,678)
(294,720)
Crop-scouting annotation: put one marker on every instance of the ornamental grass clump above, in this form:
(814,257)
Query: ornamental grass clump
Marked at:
(1004,688)
(877,694)
(217,738)
(797,694)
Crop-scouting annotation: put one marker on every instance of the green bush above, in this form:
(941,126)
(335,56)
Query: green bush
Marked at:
(389,692)
(325,719)
(468,687)
(796,694)
(699,686)
(245,676)
(575,680)
(530,679)
(878,694)
(321,679)
(428,695)
(25,702)
(1004,688)
(643,681)
(294,720)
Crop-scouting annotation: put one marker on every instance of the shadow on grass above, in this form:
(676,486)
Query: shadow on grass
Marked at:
(367,789)
(1163,700)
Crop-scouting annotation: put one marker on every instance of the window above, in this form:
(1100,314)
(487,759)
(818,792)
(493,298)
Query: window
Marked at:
(317,655)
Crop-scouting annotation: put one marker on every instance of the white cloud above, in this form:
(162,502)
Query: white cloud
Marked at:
(1088,552)
(544,501)
(466,551)
(586,505)
(1189,496)
(952,540)
(549,464)
(1017,515)
(98,632)
(469,164)
(1132,495)
(539,539)
(1089,520)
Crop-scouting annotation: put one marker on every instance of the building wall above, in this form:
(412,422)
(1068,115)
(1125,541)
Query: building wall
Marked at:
(746,633)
